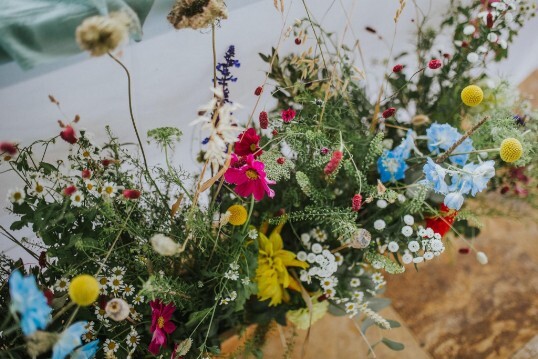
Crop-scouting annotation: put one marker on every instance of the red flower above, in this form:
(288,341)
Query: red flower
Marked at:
(69,190)
(389,112)
(288,115)
(68,134)
(397,68)
(442,223)
(160,324)
(435,64)
(49,295)
(248,144)
(86,173)
(258,91)
(106,162)
(280,160)
(464,250)
(324,151)
(297,41)
(333,163)
(489,20)
(274,132)
(9,148)
(264,120)
(131,193)
(356,202)
(250,178)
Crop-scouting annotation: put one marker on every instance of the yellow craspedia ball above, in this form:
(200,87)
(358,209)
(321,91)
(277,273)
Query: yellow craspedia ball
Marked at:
(84,290)
(511,150)
(472,95)
(238,215)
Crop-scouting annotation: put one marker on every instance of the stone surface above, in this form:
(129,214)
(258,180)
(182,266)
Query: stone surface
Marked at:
(458,308)
(529,351)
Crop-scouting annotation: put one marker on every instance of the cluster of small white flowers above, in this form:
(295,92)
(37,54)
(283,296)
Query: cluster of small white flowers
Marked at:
(379,320)
(427,241)
(319,234)
(323,263)
(230,298)
(233,272)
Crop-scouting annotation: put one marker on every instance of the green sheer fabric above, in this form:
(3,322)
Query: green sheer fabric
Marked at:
(33,32)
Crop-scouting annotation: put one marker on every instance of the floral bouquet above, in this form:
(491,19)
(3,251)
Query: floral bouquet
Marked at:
(297,213)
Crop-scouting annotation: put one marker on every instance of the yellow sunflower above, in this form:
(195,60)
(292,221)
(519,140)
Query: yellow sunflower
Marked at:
(272,274)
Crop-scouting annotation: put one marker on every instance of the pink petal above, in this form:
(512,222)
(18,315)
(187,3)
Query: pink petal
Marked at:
(169,327)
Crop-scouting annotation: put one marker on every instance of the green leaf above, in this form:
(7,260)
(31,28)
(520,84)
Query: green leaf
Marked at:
(17,225)
(197,317)
(367,323)
(394,324)
(47,168)
(376,304)
(392,344)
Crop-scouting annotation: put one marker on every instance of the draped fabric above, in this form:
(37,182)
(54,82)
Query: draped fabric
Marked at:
(33,32)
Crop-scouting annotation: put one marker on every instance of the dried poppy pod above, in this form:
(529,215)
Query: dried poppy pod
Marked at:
(361,239)
(420,120)
(117,309)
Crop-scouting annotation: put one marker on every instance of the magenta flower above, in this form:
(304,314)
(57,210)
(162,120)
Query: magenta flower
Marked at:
(249,177)
(288,115)
(160,324)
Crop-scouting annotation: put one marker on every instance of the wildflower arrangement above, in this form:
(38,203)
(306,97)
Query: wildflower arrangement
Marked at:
(298,212)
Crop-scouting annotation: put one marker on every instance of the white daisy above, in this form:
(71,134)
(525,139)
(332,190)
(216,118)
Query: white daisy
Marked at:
(355,282)
(37,188)
(62,284)
(110,346)
(77,198)
(138,299)
(16,196)
(358,295)
(330,282)
(128,290)
(118,271)
(377,278)
(109,190)
(133,338)
(102,281)
(115,282)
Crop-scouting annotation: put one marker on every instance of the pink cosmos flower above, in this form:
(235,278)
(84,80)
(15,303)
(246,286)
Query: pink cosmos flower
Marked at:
(69,135)
(288,115)
(249,177)
(160,324)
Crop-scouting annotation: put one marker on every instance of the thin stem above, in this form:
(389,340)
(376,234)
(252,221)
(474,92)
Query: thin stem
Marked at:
(445,155)
(16,241)
(213,45)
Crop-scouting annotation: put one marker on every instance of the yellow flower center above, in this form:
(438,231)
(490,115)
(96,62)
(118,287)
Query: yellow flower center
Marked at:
(253,147)
(17,196)
(7,157)
(160,322)
(39,188)
(89,186)
(111,345)
(109,190)
(86,154)
(251,174)
(77,198)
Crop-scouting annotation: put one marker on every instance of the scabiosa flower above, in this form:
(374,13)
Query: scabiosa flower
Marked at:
(102,34)
(248,143)
(16,196)
(435,64)
(249,178)
(397,68)
(389,112)
(264,120)
(164,245)
(160,324)
(117,309)
(131,193)
(288,115)
(29,301)
(356,202)
(69,135)
(333,164)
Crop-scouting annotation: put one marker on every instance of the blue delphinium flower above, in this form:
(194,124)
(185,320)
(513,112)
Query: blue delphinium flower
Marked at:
(454,200)
(68,340)
(408,143)
(442,137)
(391,166)
(29,301)
(86,351)
(473,178)
(436,175)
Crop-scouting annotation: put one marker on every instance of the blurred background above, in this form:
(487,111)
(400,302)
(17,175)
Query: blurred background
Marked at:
(452,308)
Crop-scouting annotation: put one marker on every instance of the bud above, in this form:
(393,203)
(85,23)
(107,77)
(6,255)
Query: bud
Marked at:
(397,68)
(281,160)
(297,41)
(68,191)
(389,112)
(361,239)
(435,64)
(356,202)
(117,309)
(420,120)
(482,258)
(258,91)
(86,173)
(164,245)
(131,193)
(68,135)
(264,120)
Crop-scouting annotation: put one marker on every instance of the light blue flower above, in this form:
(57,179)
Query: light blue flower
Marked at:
(403,150)
(86,351)
(465,147)
(454,200)
(69,339)
(442,137)
(436,175)
(391,166)
(473,178)
(29,301)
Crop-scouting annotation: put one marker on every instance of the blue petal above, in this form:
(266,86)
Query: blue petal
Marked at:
(69,340)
